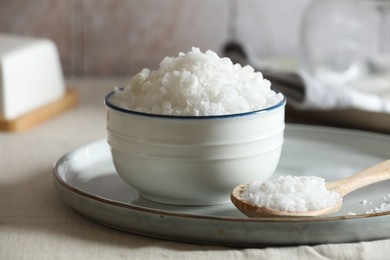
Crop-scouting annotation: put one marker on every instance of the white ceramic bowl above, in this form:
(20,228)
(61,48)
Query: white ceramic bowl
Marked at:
(194,160)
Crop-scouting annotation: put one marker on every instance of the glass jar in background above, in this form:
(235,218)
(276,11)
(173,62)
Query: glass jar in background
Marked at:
(346,43)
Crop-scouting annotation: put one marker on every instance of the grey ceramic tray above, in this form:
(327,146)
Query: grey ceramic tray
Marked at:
(86,179)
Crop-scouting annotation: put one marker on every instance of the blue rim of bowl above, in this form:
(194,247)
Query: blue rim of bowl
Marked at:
(109,104)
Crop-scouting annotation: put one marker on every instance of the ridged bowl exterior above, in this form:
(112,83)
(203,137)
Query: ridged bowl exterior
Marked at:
(190,160)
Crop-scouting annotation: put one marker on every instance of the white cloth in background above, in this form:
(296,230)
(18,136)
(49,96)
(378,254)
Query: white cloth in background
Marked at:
(308,93)
(328,97)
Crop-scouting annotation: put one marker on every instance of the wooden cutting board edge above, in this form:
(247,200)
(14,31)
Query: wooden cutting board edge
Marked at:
(33,118)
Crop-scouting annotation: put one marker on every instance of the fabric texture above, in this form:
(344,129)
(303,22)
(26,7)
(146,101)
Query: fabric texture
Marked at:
(327,97)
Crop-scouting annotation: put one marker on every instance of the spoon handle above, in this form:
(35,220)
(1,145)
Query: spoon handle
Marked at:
(374,174)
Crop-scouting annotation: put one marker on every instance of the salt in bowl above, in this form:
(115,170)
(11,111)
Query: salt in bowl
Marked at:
(189,160)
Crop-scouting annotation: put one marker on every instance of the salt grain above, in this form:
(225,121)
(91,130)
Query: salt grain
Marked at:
(381,208)
(291,193)
(384,206)
(197,84)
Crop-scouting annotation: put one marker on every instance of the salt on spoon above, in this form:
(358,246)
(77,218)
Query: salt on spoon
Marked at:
(374,174)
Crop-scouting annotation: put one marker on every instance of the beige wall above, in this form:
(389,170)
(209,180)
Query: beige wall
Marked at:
(120,37)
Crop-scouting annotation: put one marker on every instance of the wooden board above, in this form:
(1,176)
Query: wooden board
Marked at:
(345,118)
(41,114)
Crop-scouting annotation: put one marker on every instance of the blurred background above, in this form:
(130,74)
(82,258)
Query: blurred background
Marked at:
(120,37)
(329,57)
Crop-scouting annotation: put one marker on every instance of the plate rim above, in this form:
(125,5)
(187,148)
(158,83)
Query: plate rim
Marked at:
(100,199)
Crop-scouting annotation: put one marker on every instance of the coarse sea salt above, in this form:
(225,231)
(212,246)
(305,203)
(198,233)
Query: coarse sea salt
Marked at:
(197,84)
(291,193)
(384,206)
(381,208)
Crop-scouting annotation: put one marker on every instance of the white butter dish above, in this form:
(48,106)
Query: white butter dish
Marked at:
(30,75)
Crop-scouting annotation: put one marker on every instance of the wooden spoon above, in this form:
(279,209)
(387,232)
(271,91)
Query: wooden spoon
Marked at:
(374,174)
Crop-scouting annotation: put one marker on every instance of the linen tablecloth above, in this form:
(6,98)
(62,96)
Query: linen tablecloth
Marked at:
(36,224)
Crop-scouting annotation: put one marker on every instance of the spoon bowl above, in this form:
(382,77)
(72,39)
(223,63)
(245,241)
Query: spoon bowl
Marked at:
(252,210)
(374,174)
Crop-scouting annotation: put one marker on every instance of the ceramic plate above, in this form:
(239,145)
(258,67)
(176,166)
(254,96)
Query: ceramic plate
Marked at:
(86,179)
